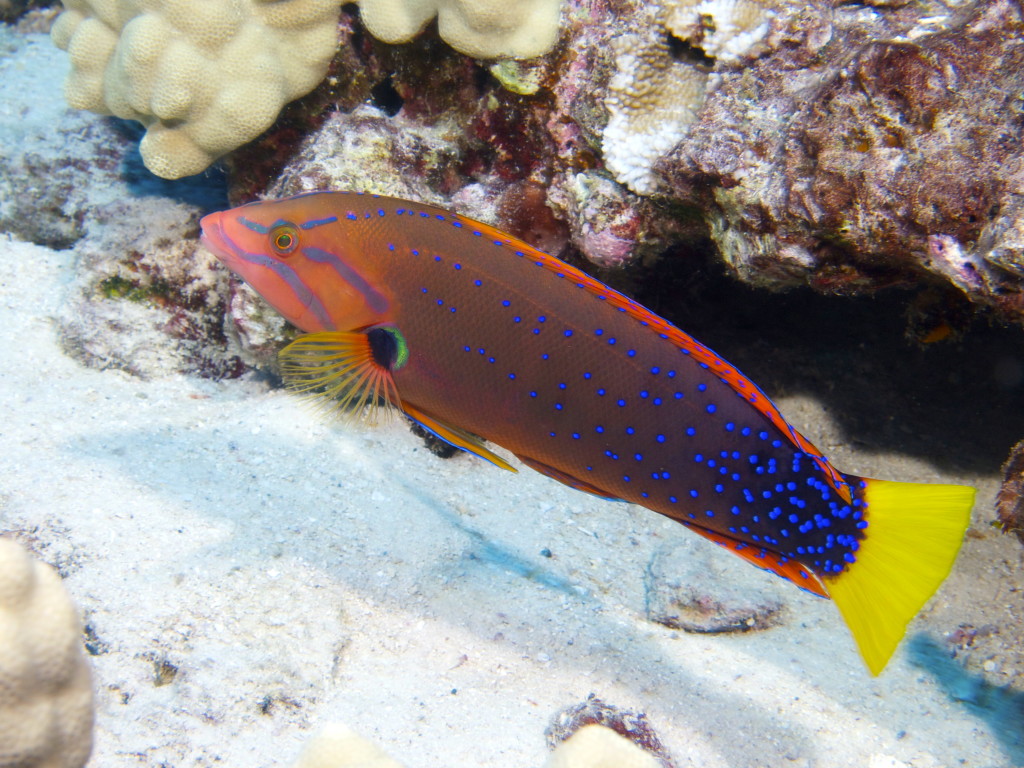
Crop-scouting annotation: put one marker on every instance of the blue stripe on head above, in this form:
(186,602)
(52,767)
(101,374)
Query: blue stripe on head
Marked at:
(286,273)
(255,226)
(374,299)
(318,222)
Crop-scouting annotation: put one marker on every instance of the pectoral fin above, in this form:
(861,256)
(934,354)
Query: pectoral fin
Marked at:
(348,373)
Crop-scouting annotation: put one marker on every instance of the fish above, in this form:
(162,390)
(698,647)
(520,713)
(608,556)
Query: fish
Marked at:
(481,339)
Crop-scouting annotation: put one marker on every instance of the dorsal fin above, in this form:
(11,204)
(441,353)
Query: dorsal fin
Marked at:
(689,345)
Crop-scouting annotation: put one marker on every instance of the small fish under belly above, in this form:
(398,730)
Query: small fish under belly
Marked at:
(475,334)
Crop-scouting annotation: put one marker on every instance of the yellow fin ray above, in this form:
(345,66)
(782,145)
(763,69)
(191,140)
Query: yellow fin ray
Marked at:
(338,371)
(914,533)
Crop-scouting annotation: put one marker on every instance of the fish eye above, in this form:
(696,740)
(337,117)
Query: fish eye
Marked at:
(284,238)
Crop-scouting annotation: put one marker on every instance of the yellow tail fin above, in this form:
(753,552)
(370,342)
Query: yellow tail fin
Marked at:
(913,535)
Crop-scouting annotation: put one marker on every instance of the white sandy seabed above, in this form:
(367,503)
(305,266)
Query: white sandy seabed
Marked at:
(273,572)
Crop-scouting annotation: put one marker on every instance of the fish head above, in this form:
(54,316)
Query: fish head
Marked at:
(293,253)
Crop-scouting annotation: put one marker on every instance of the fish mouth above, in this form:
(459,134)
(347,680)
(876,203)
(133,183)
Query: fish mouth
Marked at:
(216,242)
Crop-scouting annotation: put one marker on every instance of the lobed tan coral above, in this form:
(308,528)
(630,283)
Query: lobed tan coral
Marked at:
(487,29)
(592,746)
(203,76)
(46,708)
(338,746)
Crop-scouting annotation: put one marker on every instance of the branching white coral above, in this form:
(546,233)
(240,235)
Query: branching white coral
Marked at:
(652,98)
(204,76)
(727,30)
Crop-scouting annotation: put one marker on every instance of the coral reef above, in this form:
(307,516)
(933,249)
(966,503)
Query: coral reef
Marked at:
(847,147)
(656,93)
(146,299)
(46,710)
(485,29)
(204,77)
(855,153)
(841,147)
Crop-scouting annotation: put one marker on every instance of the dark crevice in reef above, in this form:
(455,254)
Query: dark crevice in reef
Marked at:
(958,403)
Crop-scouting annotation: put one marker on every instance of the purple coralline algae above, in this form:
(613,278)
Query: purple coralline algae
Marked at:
(872,146)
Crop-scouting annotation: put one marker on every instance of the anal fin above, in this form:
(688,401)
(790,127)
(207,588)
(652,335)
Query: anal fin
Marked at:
(784,567)
(566,479)
(460,438)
